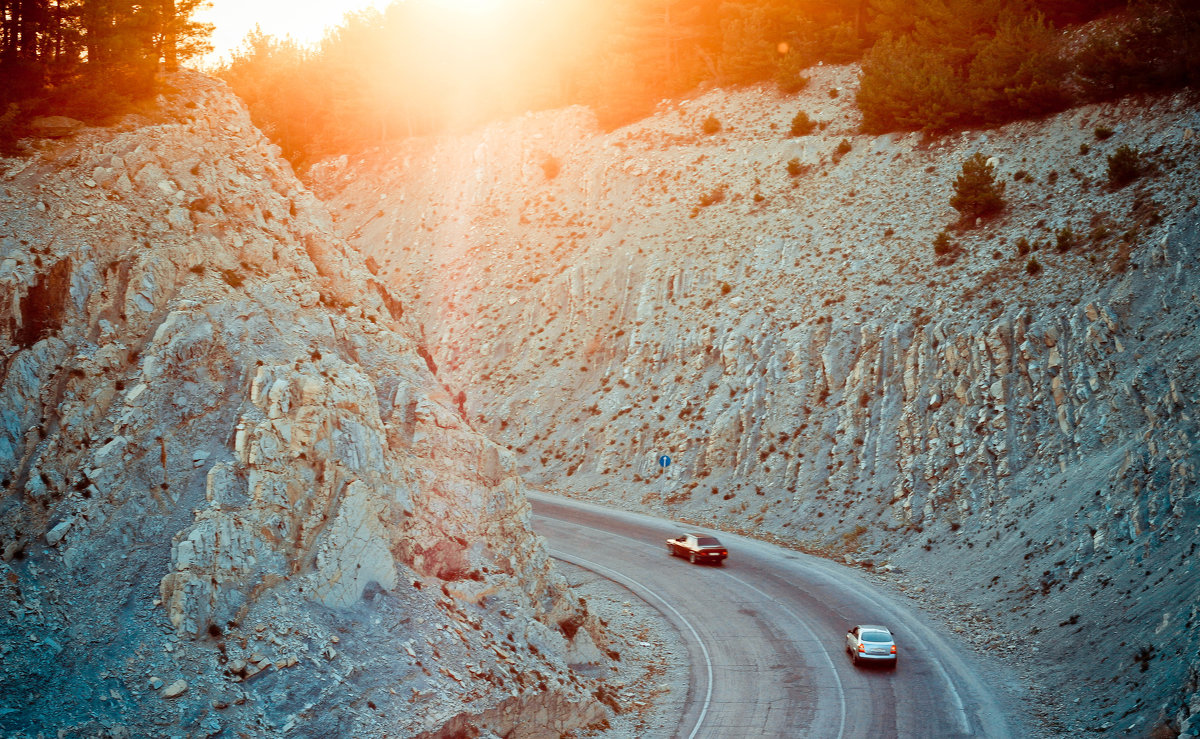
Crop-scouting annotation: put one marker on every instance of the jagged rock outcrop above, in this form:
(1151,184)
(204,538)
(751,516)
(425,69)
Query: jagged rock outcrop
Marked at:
(234,494)
(1020,440)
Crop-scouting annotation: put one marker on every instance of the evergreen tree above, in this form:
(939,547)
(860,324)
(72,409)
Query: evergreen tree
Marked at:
(976,192)
(907,86)
(1019,72)
(96,48)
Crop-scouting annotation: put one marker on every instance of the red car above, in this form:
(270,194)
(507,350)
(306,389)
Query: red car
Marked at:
(697,548)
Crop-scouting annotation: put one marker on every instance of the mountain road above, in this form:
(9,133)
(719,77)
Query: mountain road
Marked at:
(766,636)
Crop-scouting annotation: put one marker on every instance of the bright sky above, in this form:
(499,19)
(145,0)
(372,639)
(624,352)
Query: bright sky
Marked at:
(303,20)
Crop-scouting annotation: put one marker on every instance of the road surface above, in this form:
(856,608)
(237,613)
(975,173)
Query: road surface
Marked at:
(766,631)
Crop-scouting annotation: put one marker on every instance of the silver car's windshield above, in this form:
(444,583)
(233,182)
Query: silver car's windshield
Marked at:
(876,636)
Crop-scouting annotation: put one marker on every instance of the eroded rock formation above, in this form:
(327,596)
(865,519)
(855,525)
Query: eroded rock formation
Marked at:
(234,494)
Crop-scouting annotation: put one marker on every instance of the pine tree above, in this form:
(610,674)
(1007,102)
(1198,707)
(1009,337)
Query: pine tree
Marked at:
(976,192)
(905,85)
(97,48)
(1019,72)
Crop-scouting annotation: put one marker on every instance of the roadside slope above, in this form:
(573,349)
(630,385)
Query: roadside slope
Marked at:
(769,311)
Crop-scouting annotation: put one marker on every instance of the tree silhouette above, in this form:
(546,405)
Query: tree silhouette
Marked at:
(107,47)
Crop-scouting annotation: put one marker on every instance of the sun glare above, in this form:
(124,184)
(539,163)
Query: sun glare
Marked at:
(473,7)
(305,21)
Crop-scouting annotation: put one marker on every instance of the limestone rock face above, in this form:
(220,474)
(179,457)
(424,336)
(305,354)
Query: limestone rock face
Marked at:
(813,371)
(225,465)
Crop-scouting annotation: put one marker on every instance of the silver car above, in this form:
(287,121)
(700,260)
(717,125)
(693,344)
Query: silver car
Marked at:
(869,644)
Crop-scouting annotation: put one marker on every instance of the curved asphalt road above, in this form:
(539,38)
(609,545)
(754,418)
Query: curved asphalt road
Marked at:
(765,634)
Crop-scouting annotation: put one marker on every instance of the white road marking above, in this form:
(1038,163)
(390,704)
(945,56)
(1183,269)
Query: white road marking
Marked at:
(824,652)
(634,584)
(960,707)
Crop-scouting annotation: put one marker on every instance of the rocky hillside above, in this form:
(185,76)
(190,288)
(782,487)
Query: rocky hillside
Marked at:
(1009,427)
(233,494)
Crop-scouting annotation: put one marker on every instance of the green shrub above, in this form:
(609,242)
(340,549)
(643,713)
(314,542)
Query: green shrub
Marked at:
(1023,246)
(1154,50)
(1064,239)
(1033,266)
(843,148)
(1084,149)
(12,129)
(942,245)
(711,125)
(976,192)
(789,83)
(1018,72)
(1102,133)
(907,85)
(795,168)
(957,62)
(1124,166)
(802,125)
(789,73)
(551,166)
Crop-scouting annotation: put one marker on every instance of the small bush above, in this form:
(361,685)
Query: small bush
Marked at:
(790,81)
(842,149)
(1021,175)
(1023,246)
(1124,166)
(1033,266)
(551,166)
(1154,51)
(802,125)
(1084,149)
(942,245)
(714,196)
(794,167)
(1064,239)
(711,125)
(976,192)
(1120,262)
(833,92)
(1102,132)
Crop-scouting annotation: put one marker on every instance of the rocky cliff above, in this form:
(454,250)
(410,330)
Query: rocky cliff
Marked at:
(1008,427)
(236,496)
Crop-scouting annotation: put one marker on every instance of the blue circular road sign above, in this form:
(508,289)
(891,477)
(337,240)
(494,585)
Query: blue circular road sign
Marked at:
(664,461)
